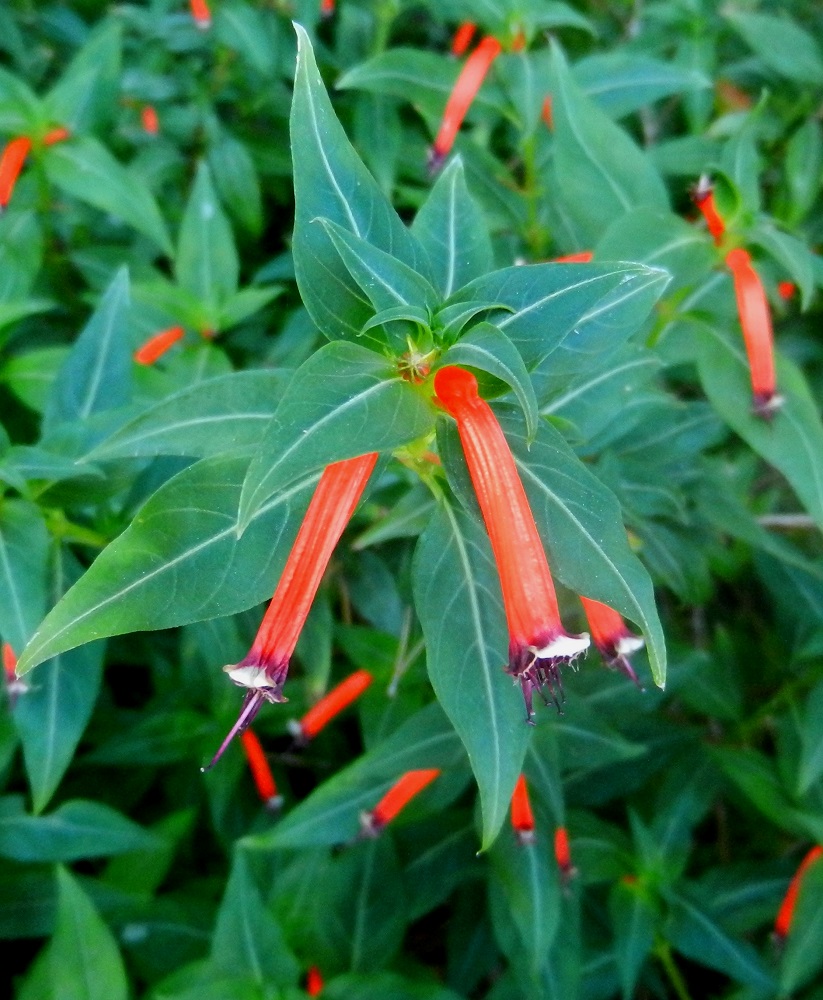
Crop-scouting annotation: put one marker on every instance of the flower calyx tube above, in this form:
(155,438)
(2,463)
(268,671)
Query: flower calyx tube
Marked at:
(396,799)
(538,643)
(11,163)
(263,671)
(463,93)
(522,817)
(156,346)
(330,706)
(260,771)
(785,915)
(611,635)
(756,323)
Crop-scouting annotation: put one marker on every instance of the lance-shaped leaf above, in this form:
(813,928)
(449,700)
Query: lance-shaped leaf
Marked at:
(634,919)
(562,316)
(24,553)
(85,96)
(222,415)
(343,402)
(793,440)
(179,561)
(96,375)
(486,348)
(453,231)
(331,181)
(457,597)
(85,169)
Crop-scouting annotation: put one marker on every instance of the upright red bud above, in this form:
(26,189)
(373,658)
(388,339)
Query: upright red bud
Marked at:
(562,853)
(465,89)
(150,120)
(14,685)
(314,982)
(756,322)
(396,799)
(547,113)
(11,163)
(332,704)
(522,816)
(612,637)
(260,771)
(786,290)
(327,8)
(155,347)
(264,669)
(538,643)
(201,13)
(785,914)
(463,38)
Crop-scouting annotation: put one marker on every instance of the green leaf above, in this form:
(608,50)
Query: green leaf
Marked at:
(53,714)
(803,167)
(206,262)
(634,920)
(486,348)
(84,957)
(21,111)
(85,169)
(453,231)
(811,737)
(85,96)
(223,415)
(24,552)
(78,829)
(247,940)
(600,170)
(96,374)
(331,181)
(343,402)
(793,440)
(242,28)
(457,598)
(781,44)
(183,541)
(243,304)
(803,958)
(237,181)
(790,253)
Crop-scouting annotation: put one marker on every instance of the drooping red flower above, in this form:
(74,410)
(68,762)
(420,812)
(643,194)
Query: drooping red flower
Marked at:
(200,13)
(785,914)
(150,120)
(786,290)
(756,322)
(155,347)
(14,685)
(331,705)
(547,113)
(260,771)
(55,135)
(327,8)
(581,257)
(612,637)
(463,38)
(314,982)
(703,196)
(562,853)
(463,93)
(396,799)
(264,669)
(522,816)
(538,643)
(11,163)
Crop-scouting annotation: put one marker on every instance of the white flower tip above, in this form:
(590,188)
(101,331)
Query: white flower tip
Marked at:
(563,647)
(628,644)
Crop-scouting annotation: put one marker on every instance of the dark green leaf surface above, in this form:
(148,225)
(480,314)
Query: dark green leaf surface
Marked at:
(24,550)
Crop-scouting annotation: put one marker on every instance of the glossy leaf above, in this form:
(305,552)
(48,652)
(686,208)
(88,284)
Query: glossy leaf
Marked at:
(781,44)
(24,552)
(811,735)
(457,598)
(634,921)
(85,96)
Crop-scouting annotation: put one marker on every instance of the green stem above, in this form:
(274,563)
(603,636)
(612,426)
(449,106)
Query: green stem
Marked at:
(664,953)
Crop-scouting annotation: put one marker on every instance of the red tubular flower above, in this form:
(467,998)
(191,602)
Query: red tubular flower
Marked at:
(756,321)
(785,914)
(522,816)
(200,13)
(704,199)
(547,113)
(396,799)
(56,135)
(14,685)
(612,637)
(562,854)
(260,770)
(314,982)
(786,290)
(263,670)
(156,346)
(538,643)
(332,704)
(581,257)
(463,38)
(11,163)
(149,120)
(327,8)
(465,89)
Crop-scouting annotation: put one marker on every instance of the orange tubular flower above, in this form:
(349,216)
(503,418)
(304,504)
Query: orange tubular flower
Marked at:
(465,89)
(612,637)
(327,8)
(785,914)
(56,135)
(547,113)
(704,199)
(156,346)
(260,770)
(149,120)
(538,643)
(332,704)
(786,290)
(14,686)
(521,812)
(201,13)
(314,982)
(11,163)
(396,799)
(581,257)
(263,671)
(756,321)
(562,854)
(463,38)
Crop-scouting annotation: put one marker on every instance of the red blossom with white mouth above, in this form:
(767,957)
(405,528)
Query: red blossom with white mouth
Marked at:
(522,817)
(396,799)
(538,643)
(612,636)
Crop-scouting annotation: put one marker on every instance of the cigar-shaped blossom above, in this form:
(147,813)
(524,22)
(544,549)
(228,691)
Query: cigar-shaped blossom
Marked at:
(538,643)
(201,13)
(704,199)
(260,771)
(522,816)
(547,113)
(785,914)
(155,347)
(612,637)
(331,705)
(11,163)
(581,257)
(562,853)
(14,685)
(314,982)
(327,8)
(463,93)
(59,134)
(756,322)
(150,120)
(264,669)
(463,38)
(396,799)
